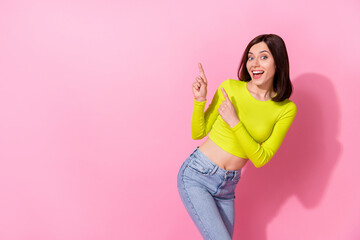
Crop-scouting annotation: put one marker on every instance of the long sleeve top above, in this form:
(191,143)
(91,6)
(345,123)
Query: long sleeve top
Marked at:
(260,132)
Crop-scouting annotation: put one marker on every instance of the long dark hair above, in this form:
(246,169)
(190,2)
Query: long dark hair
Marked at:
(282,84)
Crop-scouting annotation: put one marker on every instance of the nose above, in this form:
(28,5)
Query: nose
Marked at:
(256,62)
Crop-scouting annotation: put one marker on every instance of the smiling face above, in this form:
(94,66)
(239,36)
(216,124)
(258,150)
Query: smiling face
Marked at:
(261,65)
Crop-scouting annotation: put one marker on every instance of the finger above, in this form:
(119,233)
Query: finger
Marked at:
(222,106)
(225,95)
(197,84)
(201,69)
(200,80)
(202,73)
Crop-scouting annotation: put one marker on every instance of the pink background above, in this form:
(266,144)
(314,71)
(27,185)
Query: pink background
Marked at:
(95,100)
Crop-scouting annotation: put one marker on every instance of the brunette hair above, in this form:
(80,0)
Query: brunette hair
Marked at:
(282,84)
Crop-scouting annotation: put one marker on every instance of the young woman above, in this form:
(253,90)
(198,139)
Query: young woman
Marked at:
(247,120)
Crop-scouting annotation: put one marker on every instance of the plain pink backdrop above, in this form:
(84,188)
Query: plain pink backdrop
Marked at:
(95,100)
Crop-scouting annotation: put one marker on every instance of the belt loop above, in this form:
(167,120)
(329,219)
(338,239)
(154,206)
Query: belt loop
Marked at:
(237,173)
(194,151)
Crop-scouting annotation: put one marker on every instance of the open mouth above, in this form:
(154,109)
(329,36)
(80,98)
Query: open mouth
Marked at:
(257,74)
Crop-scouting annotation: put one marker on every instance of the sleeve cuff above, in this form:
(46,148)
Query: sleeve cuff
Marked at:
(197,103)
(237,126)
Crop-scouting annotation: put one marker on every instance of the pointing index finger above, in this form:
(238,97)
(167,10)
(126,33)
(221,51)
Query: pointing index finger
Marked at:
(202,73)
(225,94)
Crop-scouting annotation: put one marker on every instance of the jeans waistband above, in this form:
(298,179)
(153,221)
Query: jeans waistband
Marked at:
(201,156)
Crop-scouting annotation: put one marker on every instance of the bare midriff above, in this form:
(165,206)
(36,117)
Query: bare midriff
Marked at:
(220,157)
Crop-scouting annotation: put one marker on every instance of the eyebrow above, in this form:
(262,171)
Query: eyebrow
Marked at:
(259,52)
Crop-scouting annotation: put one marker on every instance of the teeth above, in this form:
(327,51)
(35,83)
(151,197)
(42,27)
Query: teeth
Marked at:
(256,72)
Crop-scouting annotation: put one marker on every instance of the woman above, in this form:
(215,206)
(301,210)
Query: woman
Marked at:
(247,120)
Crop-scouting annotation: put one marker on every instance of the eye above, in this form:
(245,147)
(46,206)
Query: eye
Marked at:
(250,58)
(264,57)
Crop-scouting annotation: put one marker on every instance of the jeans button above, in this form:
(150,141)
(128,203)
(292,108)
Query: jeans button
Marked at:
(227,173)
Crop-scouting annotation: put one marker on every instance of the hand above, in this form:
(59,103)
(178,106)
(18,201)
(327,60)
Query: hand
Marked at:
(227,111)
(200,85)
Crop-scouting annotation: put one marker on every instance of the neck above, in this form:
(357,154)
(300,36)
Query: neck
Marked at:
(263,92)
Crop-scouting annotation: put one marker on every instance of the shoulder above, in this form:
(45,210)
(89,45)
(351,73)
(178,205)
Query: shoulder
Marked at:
(231,82)
(290,104)
(290,108)
(233,87)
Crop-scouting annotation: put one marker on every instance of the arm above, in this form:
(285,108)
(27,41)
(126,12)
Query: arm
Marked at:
(201,123)
(260,154)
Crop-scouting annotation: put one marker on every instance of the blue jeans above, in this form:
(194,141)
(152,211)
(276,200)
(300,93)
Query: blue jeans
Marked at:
(208,193)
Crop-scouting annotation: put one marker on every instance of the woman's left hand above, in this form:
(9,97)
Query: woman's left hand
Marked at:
(227,111)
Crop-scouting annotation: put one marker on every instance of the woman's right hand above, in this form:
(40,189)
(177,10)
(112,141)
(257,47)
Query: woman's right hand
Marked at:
(200,85)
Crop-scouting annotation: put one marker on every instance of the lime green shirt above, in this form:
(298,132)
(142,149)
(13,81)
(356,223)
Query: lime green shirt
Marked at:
(260,132)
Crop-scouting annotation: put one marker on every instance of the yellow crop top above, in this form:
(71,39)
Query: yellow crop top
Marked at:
(260,132)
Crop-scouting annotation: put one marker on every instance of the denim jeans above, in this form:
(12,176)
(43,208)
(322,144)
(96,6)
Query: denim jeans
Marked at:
(208,193)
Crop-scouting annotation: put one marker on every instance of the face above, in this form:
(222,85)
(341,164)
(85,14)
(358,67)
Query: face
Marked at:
(261,60)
